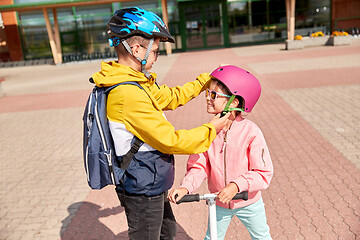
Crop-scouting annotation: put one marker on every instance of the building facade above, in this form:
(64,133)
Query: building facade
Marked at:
(195,25)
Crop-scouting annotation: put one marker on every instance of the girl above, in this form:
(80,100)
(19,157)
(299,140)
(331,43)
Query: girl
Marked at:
(237,160)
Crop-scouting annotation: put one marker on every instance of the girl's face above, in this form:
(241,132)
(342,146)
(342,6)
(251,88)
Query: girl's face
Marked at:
(217,105)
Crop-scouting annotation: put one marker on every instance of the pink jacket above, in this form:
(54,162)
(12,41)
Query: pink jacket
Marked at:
(239,155)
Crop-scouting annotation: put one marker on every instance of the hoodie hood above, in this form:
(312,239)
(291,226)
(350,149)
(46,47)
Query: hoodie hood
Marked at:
(112,73)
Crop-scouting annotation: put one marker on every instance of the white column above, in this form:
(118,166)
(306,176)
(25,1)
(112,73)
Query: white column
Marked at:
(166,21)
(51,37)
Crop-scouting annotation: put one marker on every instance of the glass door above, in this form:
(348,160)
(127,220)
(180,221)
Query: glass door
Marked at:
(213,34)
(194,22)
(202,25)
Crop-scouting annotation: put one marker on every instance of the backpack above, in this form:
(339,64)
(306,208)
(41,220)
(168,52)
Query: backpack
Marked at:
(101,164)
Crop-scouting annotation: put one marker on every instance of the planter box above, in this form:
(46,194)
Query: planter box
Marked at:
(294,44)
(339,40)
(315,41)
(306,42)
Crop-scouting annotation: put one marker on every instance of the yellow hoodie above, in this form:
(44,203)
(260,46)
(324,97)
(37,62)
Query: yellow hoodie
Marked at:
(141,111)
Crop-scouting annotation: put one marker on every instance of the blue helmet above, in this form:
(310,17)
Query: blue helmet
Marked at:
(136,21)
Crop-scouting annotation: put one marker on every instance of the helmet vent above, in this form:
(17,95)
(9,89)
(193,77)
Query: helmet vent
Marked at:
(220,69)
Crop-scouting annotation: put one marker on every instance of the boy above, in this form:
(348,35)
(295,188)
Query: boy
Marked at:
(134,112)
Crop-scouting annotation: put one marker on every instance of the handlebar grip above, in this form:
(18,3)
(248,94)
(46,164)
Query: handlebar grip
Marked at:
(241,195)
(189,198)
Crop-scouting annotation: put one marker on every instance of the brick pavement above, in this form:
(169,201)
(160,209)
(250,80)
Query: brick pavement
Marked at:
(308,111)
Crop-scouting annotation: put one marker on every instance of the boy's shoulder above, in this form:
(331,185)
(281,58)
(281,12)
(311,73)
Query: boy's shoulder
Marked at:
(128,90)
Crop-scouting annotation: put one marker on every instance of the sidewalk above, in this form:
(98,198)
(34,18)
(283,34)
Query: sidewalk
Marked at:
(308,111)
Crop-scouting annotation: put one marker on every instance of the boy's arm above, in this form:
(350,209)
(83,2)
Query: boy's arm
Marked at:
(132,106)
(260,167)
(171,98)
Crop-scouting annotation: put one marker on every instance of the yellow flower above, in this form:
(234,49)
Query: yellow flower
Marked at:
(298,37)
(338,33)
(317,34)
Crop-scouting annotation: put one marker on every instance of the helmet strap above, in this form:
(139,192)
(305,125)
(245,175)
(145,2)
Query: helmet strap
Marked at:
(142,61)
(227,107)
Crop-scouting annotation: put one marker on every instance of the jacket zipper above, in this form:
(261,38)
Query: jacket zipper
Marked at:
(224,150)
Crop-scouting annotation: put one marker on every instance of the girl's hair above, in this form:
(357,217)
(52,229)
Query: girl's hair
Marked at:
(121,50)
(228,92)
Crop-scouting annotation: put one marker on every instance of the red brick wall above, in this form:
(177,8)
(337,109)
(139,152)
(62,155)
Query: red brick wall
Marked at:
(12,34)
(346,9)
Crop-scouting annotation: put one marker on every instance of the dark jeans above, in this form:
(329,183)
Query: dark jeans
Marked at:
(149,218)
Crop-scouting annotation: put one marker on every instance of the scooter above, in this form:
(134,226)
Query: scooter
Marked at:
(210,201)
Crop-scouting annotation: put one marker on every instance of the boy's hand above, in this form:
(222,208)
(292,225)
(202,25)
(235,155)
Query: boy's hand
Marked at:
(228,192)
(219,122)
(176,194)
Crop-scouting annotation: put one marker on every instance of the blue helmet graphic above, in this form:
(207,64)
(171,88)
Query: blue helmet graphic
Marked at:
(136,21)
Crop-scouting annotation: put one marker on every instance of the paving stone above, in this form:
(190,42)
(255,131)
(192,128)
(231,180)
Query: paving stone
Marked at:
(309,232)
(308,112)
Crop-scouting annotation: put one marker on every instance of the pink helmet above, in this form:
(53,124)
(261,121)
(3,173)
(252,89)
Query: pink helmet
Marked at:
(241,83)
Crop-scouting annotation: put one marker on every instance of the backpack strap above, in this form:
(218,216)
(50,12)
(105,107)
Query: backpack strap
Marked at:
(125,161)
(108,89)
(123,83)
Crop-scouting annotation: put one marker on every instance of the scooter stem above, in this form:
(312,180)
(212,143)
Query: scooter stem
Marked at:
(210,201)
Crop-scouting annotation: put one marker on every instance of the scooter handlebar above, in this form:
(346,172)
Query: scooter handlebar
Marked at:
(196,197)
(241,195)
(189,198)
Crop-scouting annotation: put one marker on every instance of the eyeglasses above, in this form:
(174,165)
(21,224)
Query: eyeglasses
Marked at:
(213,95)
(156,53)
